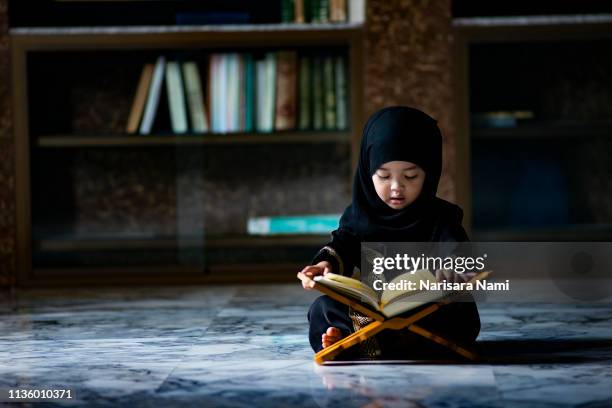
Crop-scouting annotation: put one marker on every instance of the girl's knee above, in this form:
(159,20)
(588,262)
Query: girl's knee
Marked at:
(319,306)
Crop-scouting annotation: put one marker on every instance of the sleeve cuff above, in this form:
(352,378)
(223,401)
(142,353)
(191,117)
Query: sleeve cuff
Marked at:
(330,255)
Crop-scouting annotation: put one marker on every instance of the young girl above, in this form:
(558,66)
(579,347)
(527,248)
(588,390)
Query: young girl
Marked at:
(394,200)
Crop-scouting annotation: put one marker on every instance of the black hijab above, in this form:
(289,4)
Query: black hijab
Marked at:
(397,133)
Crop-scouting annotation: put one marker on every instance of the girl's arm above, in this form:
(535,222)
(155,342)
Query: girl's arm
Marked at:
(342,252)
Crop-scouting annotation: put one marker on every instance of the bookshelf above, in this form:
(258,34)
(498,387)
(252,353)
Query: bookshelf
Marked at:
(541,178)
(70,174)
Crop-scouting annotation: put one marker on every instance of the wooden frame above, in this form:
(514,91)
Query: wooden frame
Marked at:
(24,40)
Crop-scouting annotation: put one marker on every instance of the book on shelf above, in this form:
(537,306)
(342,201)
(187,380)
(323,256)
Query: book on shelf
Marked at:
(317,93)
(242,92)
(356,11)
(153,96)
(265,69)
(176,98)
(305,93)
(286,92)
(299,12)
(195,99)
(329,99)
(249,92)
(393,299)
(140,98)
(340,91)
(320,11)
(337,11)
(304,224)
(287,11)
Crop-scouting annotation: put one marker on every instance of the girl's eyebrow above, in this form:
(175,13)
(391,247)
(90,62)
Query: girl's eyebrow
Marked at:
(404,169)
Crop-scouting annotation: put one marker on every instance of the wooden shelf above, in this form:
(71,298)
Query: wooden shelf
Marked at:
(578,232)
(194,139)
(38,253)
(186,36)
(216,28)
(546,130)
(236,241)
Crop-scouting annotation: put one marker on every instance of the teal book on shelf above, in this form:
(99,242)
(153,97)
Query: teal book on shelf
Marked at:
(304,224)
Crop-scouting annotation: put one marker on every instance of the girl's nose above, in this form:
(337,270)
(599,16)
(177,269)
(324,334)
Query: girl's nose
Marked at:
(396,185)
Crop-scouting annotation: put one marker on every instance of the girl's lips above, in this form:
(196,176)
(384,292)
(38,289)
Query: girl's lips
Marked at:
(397,199)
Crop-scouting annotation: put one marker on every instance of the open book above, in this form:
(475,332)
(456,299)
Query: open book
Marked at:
(389,302)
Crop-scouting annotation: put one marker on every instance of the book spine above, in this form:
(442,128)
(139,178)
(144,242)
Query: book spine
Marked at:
(270,84)
(309,224)
(249,92)
(260,76)
(305,121)
(222,91)
(356,11)
(317,89)
(286,92)
(323,11)
(213,85)
(193,85)
(140,98)
(341,94)
(287,11)
(241,93)
(300,16)
(329,93)
(314,11)
(176,97)
(233,105)
(338,11)
(153,96)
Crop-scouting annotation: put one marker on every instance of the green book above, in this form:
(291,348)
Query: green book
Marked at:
(305,121)
(195,100)
(313,10)
(329,93)
(249,92)
(287,11)
(323,11)
(341,97)
(307,11)
(317,94)
(176,97)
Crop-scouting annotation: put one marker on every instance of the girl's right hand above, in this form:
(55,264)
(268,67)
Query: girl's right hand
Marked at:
(308,273)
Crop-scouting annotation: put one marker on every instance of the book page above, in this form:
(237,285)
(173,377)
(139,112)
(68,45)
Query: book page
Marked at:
(350,287)
(421,275)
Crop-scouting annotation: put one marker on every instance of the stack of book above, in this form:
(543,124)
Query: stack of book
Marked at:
(244,92)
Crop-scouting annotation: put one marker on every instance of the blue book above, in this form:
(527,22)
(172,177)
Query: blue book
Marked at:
(304,224)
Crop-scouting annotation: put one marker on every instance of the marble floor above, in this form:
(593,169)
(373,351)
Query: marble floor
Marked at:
(247,346)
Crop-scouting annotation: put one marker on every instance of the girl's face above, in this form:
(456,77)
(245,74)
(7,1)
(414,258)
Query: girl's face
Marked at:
(398,183)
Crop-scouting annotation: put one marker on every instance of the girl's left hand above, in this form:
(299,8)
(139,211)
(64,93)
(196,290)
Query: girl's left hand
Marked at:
(452,277)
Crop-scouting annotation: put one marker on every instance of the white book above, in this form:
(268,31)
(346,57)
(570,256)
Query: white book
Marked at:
(356,11)
(223,93)
(195,99)
(153,98)
(176,97)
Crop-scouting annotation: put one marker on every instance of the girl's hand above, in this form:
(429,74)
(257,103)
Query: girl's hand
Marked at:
(308,273)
